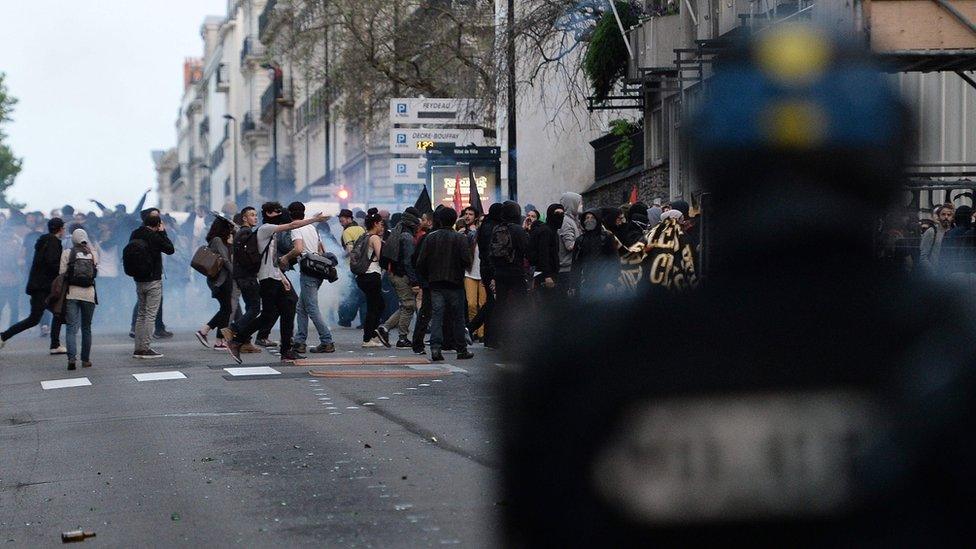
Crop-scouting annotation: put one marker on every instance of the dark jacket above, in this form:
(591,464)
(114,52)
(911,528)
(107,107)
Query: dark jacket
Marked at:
(159,244)
(520,243)
(544,250)
(45,265)
(484,241)
(404,267)
(444,257)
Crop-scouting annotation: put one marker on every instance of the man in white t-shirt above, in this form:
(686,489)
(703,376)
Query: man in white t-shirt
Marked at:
(306,240)
(278,298)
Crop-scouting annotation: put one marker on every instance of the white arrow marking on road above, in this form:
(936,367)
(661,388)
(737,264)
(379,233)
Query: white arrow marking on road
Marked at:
(159,376)
(65,383)
(255,371)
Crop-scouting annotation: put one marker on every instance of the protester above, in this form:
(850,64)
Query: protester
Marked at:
(531,217)
(595,262)
(366,252)
(147,260)
(424,311)
(481,321)
(570,231)
(305,240)
(247,261)
(475,292)
(509,245)
(355,301)
(930,247)
(404,279)
(79,265)
(544,244)
(45,267)
(443,259)
(221,286)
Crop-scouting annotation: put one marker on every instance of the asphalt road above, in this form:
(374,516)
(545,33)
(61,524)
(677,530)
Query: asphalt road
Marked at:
(218,460)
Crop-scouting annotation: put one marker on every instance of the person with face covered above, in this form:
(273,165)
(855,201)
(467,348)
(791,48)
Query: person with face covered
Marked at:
(596,265)
(509,274)
(149,289)
(544,250)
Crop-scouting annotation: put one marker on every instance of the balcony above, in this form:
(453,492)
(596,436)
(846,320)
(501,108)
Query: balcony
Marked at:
(277,93)
(654,42)
(175,176)
(252,51)
(311,110)
(252,127)
(603,151)
(267,22)
(204,127)
(217,158)
(223,78)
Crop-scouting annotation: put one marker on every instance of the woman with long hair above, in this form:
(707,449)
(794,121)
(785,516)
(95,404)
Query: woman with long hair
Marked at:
(222,285)
(371,283)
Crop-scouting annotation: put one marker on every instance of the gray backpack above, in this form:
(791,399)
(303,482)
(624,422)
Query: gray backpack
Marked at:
(81,268)
(359,256)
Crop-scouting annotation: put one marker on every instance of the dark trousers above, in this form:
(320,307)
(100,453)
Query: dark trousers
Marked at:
(276,301)
(251,294)
(372,285)
(38,303)
(159,317)
(448,307)
(510,296)
(483,317)
(222,318)
(423,320)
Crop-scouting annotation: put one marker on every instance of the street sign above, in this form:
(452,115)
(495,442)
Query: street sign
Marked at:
(436,111)
(407,141)
(408,170)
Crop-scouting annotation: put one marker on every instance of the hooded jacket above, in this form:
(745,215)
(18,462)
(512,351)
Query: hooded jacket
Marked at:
(484,240)
(596,262)
(444,255)
(44,266)
(511,214)
(159,244)
(958,246)
(544,244)
(570,231)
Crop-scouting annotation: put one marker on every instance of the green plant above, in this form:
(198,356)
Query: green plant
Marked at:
(606,58)
(624,129)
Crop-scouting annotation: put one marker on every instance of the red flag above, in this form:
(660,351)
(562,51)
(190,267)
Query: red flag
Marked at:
(457,192)
(633,195)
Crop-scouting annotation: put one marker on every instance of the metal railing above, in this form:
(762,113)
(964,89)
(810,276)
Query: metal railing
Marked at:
(175,175)
(251,48)
(265,19)
(249,123)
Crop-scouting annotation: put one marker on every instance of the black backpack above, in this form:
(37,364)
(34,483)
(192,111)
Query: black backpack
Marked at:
(136,259)
(81,268)
(392,246)
(247,256)
(502,250)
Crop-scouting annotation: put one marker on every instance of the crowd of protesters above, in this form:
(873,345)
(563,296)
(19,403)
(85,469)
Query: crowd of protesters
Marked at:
(439,279)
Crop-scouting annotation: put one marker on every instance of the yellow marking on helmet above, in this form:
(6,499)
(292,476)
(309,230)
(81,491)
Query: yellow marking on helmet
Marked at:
(794,55)
(794,124)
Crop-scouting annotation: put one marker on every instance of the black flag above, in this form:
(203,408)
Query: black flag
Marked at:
(474,199)
(423,202)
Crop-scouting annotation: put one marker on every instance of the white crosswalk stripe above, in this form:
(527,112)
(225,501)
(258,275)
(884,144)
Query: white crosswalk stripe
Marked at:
(159,376)
(65,383)
(255,371)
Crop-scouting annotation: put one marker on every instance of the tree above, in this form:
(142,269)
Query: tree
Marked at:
(10,165)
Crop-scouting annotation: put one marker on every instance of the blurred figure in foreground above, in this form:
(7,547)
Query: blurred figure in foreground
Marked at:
(805,398)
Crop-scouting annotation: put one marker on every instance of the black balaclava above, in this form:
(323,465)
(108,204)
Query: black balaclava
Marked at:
(495,212)
(554,219)
(445,217)
(511,212)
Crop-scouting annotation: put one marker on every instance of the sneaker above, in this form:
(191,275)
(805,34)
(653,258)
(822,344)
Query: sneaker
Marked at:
(465,355)
(147,355)
(45,331)
(220,345)
(86,364)
(59,350)
(202,338)
(162,334)
(300,348)
(234,348)
(323,348)
(249,348)
(289,356)
(436,356)
(467,337)
(132,334)
(373,343)
(384,335)
(265,343)
(228,334)
(345,324)
(404,343)
(71,366)
(419,351)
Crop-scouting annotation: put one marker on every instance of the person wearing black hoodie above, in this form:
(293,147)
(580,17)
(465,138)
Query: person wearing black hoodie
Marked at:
(507,264)
(544,250)
(44,269)
(596,263)
(149,289)
(959,248)
(492,219)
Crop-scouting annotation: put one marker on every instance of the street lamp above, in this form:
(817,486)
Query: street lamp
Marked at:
(231,118)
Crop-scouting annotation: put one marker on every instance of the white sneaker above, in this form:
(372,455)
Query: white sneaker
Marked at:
(59,351)
(375,342)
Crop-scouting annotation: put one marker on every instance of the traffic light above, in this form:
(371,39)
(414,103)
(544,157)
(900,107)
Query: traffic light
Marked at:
(343,195)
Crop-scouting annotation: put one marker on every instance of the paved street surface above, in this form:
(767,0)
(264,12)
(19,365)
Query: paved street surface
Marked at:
(216,459)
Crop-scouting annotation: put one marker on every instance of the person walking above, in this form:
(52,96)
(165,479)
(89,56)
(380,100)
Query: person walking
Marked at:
(443,259)
(354,302)
(404,279)
(306,240)
(475,293)
(79,265)
(144,262)
(247,260)
(278,298)
(369,279)
(222,285)
(509,244)
(45,267)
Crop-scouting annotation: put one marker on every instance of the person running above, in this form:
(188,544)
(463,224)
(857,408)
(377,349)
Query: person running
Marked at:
(247,259)
(149,282)
(44,269)
(371,283)
(80,267)
(305,240)
(222,285)
(404,280)
(278,298)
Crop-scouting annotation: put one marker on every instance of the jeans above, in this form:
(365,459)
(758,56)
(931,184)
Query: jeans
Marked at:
(78,314)
(251,293)
(447,307)
(222,317)
(158,322)
(275,300)
(149,295)
(372,285)
(308,308)
(354,303)
(38,304)
(408,304)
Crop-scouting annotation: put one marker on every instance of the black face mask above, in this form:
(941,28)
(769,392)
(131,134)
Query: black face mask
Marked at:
(153,221)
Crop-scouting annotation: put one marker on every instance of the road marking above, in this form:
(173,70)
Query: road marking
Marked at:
(437,368)
(254,371)
(352,407)
(159,376)
(65,383)
(383,398)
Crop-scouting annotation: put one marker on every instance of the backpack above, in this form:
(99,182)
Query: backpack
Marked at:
(502,249)
(136,259)
(247,256)
(359,256)
(392,246)
(81,269)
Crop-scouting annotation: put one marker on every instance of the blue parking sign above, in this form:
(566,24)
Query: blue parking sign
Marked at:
(401,138)
(401,168)
(401,108)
